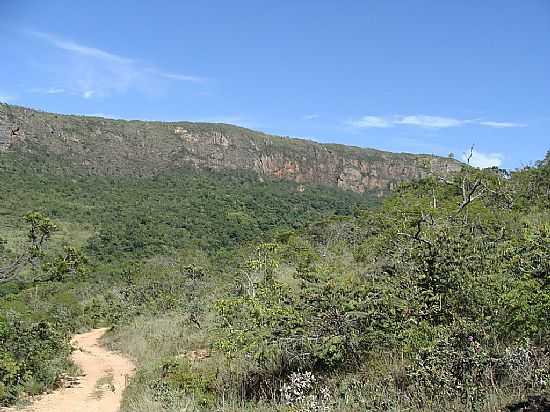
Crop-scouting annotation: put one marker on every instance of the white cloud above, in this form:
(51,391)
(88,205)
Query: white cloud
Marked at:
(483,160)
(371,121)
(71,46)
(90,72)
(431,122)
(175,76)
(311,116)
(502,124)
(88,94)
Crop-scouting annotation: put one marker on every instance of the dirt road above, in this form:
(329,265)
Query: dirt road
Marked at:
(105,376)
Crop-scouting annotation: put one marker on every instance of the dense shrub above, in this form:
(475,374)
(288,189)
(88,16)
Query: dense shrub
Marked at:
(449,273)
(32,356)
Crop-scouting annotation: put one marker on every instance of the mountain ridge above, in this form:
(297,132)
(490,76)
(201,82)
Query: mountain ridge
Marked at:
(136,147)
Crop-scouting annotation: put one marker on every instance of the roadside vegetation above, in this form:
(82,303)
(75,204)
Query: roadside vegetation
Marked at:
(235,295)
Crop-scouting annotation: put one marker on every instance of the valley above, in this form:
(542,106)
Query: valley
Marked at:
(238,271)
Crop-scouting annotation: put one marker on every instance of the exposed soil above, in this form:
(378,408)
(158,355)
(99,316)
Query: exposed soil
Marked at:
(99,389)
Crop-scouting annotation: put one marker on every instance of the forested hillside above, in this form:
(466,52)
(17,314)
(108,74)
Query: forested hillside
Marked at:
(69,240)
(233,294)
(107,147)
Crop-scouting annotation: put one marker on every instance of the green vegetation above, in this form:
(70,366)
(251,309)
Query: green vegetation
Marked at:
(128,218)
(444,291)
(84,256)
(33,355)
(232,294)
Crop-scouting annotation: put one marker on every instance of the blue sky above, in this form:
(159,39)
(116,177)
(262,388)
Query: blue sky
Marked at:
(418,76)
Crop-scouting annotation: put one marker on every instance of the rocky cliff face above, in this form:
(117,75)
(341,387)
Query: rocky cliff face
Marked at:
(118,147)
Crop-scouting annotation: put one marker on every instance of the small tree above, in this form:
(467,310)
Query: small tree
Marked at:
(40,231)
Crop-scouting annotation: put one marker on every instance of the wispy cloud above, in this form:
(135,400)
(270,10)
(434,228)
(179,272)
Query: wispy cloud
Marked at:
(431,122)
(371,121)
(92,72)
(483,160)
(74,47)
(88,94)
(502,124)
(175,76)
(311,116)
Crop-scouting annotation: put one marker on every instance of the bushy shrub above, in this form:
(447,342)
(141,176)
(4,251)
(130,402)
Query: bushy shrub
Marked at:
(177,378)
(463,367)
(449,273)
(32,356)
(456,367)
